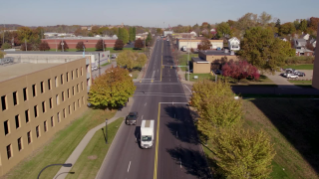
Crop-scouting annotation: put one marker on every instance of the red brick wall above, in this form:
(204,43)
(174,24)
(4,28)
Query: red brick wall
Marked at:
(72,43)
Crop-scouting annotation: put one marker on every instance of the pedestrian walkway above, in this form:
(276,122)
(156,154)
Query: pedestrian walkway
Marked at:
(62,173)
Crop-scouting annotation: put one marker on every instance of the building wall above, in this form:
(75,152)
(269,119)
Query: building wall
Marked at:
(17,85)
(193,43)
(201,67)
(90,43)
(315,76)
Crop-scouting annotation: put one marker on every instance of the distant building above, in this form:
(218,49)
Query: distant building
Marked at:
(300,46)
(234,44)
(315,79)
(168,33)
(193,43)
(89,42)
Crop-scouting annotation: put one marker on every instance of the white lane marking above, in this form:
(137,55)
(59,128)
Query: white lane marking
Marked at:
(129,166)
(145,104)
(188,88)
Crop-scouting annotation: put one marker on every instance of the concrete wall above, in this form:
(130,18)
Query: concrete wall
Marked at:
(201,67)
(315,76)
(193,43)
(18,84)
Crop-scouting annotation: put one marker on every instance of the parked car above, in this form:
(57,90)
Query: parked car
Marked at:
(292,76)
(299,73)
(131,118)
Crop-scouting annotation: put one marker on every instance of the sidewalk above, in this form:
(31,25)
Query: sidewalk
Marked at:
(62,173)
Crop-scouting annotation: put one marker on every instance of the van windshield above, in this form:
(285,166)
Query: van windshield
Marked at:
(146,138)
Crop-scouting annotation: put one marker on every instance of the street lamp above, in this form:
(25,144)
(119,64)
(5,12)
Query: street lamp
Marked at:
(62,43)
(63,164)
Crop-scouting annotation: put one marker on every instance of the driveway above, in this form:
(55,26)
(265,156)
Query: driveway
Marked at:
(278,79)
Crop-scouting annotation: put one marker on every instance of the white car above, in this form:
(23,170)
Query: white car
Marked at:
(292,76)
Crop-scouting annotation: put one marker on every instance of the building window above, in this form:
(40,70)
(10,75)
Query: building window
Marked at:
(77,88)
(29,137)
(17,119)
(82,85)
(45,126)
(43,106)
(26,112)
(58,116)
(77,73)
(52,121)
(68,93)
(57,99)
(64,113)
(35,111)
(50,103)
(81,71)
(9,152)
(73,106)
(62,95)
(4,102)
(6,127)
(78,103)
(71,75)
(25,94)
(56,81)
(42,86)
(82,100)
(62,79)
(67,76)
(37,131)
(15,98)
(34,90)
(20,144)
(73,90)
(69,109)
(49,84)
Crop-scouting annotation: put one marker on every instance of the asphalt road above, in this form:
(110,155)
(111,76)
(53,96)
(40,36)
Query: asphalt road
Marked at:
(160,96)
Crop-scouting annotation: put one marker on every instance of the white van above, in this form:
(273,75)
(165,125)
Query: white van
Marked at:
(147,133)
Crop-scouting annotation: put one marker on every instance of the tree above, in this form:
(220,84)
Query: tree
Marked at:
(223,29)
(264,19)
(231,23)
(44,46)
(240,70)
(216,106)
(249,20)
(132,34)
(148,39)
(278,23)
(99,45)
(118,45)
(65,46)
(287,28)
(303,25)
(6,46)
(131,60)
(123,35)
(244,154)
(80,32)
(26,47)
(79,46)
(138,44)
(24,34)
(159,31)
(2,54)
(266,53)
(204,45)
(314,21)
(95,30)
(112,89)
(296,23)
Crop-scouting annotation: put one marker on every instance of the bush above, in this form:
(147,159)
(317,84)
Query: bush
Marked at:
(99,45)
(300,60)
(118,45)
(65,46)
(138,44)
(6,46)
(44,46)
(23,47)
(240,70)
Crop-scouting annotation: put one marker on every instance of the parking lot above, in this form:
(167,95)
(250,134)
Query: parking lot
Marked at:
(278,79)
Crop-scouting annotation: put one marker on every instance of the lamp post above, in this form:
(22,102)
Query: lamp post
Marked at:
(62,43)
(63,164)
(106,130)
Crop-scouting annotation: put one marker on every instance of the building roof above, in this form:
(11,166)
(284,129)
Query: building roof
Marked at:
(83,38)
(199,60)
(301,42)
(51,53)
(21,69)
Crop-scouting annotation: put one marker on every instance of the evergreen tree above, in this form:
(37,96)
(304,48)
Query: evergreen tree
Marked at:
(278,23)
(303,25)
(125,36)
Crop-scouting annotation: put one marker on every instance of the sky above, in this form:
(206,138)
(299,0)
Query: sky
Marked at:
(148,13)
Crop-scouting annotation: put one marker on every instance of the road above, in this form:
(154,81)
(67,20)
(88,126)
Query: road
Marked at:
(176,152)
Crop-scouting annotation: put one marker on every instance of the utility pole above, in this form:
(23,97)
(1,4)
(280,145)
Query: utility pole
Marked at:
(25,44)
(4,26)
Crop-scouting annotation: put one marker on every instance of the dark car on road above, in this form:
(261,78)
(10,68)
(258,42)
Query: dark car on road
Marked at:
(131,118)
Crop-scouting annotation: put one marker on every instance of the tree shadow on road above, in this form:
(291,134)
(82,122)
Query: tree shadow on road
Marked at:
(192,160)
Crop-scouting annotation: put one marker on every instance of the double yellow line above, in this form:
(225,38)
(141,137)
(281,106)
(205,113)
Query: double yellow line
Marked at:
(157,141)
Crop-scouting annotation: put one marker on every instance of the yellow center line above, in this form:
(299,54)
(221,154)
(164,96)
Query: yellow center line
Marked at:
(157,141)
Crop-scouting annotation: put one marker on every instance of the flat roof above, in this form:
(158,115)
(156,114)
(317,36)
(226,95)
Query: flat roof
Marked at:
(216,52)
(19,69)
(52,53)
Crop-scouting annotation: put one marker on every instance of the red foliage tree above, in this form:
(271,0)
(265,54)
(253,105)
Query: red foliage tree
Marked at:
(138,44)
(44,46)
(23,47)
(204,45)
(99,45)
(314,21)
(65,46)
(240,70)
(79,46)
(118,44)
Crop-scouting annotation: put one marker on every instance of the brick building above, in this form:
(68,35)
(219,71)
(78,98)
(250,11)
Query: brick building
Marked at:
(89,42)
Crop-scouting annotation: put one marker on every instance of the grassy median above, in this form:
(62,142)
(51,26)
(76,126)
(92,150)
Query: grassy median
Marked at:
(93,155)
(293,126)
(58,149)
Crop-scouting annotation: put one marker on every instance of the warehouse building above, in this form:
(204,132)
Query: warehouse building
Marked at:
(188,43)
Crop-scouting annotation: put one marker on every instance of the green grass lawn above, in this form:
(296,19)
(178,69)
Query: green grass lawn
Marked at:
(183,60)
(292,125)
(58,149)
(301,67)
(263,80)
(91,159)
(199,75)
(107,63)
(301,82)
